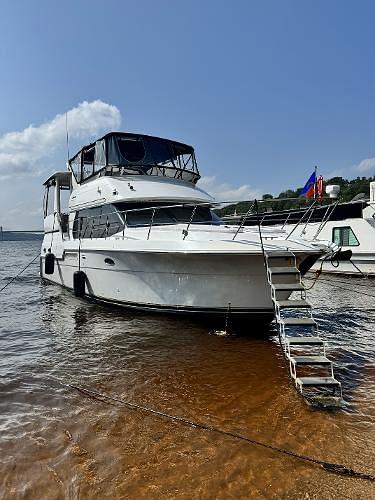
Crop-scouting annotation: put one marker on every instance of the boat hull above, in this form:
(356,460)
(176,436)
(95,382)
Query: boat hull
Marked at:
(360,264)
(181,283)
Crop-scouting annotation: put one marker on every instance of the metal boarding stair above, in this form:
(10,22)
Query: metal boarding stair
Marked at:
(306,352)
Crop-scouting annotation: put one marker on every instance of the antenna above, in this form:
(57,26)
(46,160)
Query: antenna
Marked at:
(67,135)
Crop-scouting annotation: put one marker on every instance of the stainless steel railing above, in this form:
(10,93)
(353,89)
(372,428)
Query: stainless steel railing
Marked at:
(123,215)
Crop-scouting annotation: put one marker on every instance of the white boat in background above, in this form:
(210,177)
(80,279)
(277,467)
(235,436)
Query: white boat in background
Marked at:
(350,225)
(140,233)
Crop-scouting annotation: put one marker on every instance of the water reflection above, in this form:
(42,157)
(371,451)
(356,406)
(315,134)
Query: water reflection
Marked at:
(57,442)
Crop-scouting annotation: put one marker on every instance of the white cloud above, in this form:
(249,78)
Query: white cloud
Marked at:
(227,192)
(22,151)
(365,165)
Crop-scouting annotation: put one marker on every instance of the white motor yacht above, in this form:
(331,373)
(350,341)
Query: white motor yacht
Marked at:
(349,225)
(139,232)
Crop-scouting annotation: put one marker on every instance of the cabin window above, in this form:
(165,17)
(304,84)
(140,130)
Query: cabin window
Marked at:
(97,222)
(140,214)
(49,200)
(75,165)
(100,158)
(64,199)
(132,150)
(88,163)
(344,237)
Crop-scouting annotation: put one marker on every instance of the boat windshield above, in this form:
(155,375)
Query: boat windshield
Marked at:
(140,215)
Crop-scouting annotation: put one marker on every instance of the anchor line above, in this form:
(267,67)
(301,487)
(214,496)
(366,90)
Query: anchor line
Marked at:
(19,274)
(327,466)
(356,267)
(317,276)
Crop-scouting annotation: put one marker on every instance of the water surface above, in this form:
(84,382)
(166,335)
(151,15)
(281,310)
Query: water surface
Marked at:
(58,443)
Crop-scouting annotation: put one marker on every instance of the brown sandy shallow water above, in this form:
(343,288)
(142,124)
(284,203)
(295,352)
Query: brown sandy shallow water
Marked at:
(58,443)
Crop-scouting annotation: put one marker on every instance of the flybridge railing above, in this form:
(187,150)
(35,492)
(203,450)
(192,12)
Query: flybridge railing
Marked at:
(83,229)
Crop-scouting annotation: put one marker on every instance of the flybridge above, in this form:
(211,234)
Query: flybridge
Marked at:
(119,153)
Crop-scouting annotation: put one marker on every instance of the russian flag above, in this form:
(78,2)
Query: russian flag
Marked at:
(309,188)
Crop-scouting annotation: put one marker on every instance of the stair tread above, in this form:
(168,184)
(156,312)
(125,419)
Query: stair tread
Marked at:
(283,270)
(292,303)
(298,321)
(279,254)
(316,381)
(310,340)
(288,286)
(310,360)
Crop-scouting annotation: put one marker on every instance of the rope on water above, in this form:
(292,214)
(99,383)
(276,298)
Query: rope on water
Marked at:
(328,466)
(19,274)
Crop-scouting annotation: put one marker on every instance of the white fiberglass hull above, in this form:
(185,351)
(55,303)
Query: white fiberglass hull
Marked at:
(195,283)
(360,264)
(362,261)
(207,273)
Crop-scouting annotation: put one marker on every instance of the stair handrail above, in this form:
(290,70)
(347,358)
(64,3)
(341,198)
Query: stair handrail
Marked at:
(260,233)
(244,220)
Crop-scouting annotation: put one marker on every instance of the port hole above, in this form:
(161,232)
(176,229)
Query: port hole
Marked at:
(109,261)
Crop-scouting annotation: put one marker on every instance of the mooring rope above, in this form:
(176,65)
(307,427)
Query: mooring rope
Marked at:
(327,466)
(19,274)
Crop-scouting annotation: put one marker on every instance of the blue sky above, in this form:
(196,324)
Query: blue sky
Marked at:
(264,90)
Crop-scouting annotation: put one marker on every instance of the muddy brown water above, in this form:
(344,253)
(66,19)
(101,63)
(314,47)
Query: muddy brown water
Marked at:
(58,443)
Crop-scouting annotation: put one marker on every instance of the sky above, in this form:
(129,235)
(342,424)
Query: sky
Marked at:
(263,89)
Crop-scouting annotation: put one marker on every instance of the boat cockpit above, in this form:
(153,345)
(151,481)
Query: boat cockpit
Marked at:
(119,153)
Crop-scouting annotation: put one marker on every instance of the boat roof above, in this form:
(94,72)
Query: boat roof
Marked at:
(64,178)
(133,135)
(122,153)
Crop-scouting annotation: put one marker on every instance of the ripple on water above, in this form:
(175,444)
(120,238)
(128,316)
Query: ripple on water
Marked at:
(57,442)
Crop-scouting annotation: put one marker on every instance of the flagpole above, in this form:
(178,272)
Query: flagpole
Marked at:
(316,173)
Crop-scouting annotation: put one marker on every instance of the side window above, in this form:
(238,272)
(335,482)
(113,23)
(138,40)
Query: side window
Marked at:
(98,222)
(100,158)
(75,165)
(78,223)
(45,202)
(344,237)
(111,220)
(64,200)
(88,163)
(49,200)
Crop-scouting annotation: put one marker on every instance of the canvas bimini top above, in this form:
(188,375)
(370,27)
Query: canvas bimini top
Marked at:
(122,153)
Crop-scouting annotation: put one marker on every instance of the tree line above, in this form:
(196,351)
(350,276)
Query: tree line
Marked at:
(290,198)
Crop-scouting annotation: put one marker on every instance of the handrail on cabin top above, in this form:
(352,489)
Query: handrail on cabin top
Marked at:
(195,205)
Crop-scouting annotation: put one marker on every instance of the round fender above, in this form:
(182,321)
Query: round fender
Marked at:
(49,263)
(342,255)
(79,283)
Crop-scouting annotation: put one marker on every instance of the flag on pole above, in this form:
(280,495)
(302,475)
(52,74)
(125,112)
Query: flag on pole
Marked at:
(309,189)
(320,187)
